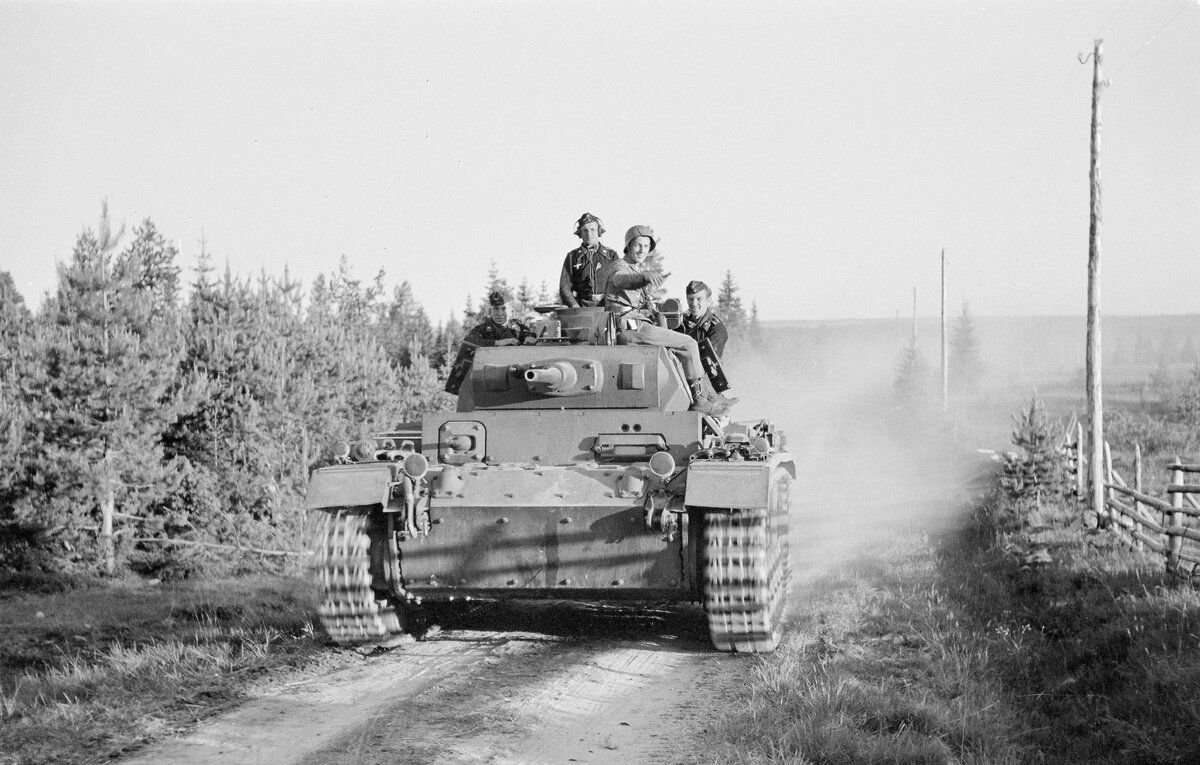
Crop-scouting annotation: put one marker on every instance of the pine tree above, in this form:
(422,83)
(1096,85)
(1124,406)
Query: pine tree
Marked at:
(913,375)
(965,365)
(523,307)
(1038,468)
(405,330)
(729,306)
(16,326)
(106,383)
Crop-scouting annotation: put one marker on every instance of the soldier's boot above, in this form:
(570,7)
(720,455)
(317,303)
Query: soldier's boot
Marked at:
(708,401)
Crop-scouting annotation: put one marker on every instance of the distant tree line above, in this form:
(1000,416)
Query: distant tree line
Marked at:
(147,421)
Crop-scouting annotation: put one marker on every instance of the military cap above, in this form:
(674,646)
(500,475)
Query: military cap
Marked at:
(697,286)
(585,219)
(497,298)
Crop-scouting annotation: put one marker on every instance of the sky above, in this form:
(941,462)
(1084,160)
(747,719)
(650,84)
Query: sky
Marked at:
(823,153)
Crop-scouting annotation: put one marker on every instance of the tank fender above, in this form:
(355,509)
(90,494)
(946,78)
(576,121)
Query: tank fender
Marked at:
(741,484)
(349,486)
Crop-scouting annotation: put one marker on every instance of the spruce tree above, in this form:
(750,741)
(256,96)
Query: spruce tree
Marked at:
(106,387)
(729,306)
(965,365)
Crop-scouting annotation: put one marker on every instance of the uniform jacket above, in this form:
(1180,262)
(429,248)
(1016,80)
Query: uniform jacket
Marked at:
(627,292)
(487,332)
(580,282)
(710,327)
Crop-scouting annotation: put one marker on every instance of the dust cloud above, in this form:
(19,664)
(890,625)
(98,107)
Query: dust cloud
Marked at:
(867,468)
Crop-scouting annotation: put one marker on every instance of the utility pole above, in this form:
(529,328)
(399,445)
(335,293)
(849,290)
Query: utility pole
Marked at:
(945,350)
(1094,398)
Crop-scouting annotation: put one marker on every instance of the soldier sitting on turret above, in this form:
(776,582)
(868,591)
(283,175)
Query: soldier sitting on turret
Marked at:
(628,298)
(496,329)
(703,325)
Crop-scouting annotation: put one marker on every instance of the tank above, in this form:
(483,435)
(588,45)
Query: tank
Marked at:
(571,469)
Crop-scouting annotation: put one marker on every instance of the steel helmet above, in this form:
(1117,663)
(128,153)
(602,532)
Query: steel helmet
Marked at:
(635,231)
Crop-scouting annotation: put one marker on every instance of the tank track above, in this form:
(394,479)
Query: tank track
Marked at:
(746,575)
(351,611)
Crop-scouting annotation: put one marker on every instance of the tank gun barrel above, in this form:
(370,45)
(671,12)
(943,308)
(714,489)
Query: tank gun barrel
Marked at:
(549,376)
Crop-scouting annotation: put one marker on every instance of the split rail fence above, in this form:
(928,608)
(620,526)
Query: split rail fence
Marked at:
(1168,525)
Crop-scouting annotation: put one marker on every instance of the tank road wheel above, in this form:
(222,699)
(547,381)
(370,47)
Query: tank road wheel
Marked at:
(747,572)
(359,578)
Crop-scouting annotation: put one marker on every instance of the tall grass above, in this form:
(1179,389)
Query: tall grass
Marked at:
(147,663)
(1020,636)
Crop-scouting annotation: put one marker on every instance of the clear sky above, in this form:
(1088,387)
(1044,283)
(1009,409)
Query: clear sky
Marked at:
(825,152)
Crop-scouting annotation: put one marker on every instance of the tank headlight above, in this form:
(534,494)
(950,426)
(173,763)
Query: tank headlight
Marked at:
(761,446)
(662,464)
(416,466)
(341,451)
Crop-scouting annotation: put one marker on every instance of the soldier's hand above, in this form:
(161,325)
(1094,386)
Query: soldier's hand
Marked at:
(531,340)
(507,341)
(653,279)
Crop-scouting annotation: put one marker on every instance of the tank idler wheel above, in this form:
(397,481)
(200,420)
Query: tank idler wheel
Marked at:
(358,577)
(747,572)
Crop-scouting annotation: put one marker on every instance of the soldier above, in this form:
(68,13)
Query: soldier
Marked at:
(579,284)
(628,298)
(496,329)
(703,325)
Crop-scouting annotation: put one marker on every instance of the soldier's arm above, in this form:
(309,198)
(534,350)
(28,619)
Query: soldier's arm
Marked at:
(627,279)
(718,338)
(478,338)
(565,292)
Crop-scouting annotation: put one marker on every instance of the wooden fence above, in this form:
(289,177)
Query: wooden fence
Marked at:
(1168,525)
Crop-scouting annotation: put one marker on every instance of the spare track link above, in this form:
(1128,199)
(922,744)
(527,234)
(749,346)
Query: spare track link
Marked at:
(747,574)
(349,609)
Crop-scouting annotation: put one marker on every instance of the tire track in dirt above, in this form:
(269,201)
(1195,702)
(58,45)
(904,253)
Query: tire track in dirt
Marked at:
(282,723)
(578,701)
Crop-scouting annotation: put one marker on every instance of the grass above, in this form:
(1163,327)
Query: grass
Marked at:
(1020,636)
(89,674)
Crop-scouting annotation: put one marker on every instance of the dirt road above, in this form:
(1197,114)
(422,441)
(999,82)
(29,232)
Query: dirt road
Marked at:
(554,682)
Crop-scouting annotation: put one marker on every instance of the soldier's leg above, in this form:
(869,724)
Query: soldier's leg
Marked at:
(689,352)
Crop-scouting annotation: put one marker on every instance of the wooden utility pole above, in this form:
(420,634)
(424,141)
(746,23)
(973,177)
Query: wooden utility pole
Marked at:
(945,349)
(1095,400)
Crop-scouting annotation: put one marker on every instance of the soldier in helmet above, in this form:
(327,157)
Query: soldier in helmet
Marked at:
(628,298)
(579,283)
(496,329)
(706,328)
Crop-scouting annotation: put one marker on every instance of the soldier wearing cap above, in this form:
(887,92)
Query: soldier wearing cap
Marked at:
(496,329)
(703,325)
(579,284)
(628,298)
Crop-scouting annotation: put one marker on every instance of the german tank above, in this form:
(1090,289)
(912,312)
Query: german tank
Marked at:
(572,469)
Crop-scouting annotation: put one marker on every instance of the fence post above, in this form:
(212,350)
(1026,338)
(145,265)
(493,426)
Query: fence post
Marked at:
(1109,493)
(1137,503)
(1175,541)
